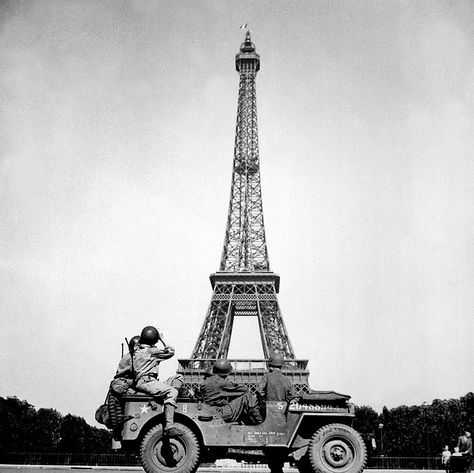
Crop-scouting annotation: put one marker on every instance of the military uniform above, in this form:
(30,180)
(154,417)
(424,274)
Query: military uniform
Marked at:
(275,386)
(124,377)
(124,369)
(233,401)
(146,361)
(125,374)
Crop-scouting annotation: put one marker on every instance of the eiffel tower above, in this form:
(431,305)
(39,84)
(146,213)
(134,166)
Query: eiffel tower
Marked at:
(244,286)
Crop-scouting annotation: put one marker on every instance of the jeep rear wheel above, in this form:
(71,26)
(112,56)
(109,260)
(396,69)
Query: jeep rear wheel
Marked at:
(337,448)
(163,454)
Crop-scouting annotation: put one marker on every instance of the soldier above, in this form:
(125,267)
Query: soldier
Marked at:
(233,401)
(275,386)
(122,382)
(147,359)
(125,366)
(124,377)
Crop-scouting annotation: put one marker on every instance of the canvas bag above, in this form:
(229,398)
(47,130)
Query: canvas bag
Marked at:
(102,415)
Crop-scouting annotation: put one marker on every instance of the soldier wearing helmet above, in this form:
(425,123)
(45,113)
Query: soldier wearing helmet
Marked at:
(147,359)
(125,374)
(122,382)
(275,386)
(125,367)
(233,401)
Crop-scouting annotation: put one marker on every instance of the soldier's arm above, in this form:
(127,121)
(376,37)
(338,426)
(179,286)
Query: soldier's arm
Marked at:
(262,387)
(123,373)
(233,389)
(291,396)
(162,353)
(124,368)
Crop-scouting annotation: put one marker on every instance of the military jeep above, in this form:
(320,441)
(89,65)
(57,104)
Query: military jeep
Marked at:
(315,434)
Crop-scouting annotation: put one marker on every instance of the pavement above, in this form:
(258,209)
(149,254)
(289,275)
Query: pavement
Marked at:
(217,469)
(108,469)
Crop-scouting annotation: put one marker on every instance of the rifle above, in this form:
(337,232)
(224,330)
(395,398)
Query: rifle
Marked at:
(131,350)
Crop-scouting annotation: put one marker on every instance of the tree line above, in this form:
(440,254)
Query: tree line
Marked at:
(25,429)
(401,431)
(416,430)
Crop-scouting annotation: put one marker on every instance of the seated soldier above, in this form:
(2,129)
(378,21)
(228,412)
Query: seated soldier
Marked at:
(275,386)
(124,368)
(147,359)
(233,401)
(124,377)
(122,382)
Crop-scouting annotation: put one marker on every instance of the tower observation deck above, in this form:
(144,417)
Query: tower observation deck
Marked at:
(244,286)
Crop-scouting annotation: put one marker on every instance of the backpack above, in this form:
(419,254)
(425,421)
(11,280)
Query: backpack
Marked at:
(102,415)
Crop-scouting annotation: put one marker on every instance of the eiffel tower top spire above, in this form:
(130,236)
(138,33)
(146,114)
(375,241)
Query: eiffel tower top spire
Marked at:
(247,54)
(245,247)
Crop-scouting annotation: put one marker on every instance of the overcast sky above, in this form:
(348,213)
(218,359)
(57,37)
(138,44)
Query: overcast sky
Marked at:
(117,134)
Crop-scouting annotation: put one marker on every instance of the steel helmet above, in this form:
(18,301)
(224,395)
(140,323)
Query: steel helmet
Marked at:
(149,335)
(222,367)
(133,341)
(276,359)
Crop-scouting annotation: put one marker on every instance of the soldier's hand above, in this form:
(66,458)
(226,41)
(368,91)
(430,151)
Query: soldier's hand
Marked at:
(294,401)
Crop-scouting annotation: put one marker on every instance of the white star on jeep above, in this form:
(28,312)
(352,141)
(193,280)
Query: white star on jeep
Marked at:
(144,409)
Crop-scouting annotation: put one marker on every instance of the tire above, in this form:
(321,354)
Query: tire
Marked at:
(337,448)
(159,454)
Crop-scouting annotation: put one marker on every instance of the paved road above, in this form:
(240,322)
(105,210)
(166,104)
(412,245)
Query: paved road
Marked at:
(109,469)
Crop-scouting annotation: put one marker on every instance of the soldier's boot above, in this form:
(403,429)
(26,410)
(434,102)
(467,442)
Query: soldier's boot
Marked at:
(256,416)
(170,428)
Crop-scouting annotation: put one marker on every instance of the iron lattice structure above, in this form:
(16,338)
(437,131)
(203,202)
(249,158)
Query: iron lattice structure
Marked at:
(245,247)
(244,285)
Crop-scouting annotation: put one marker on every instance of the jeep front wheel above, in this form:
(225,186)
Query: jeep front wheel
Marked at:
(337,448)
(163,454)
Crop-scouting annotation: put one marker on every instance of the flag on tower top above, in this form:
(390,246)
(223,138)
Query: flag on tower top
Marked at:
(243,27)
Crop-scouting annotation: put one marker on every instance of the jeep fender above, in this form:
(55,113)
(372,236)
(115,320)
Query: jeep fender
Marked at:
(309,423)
(134,430)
